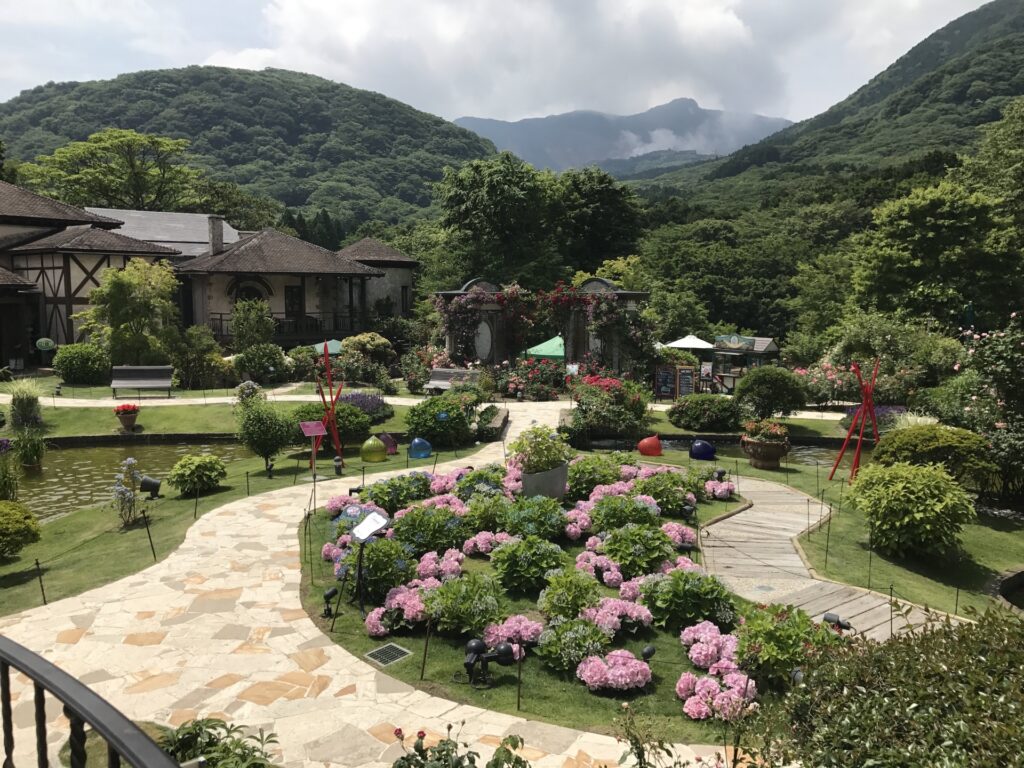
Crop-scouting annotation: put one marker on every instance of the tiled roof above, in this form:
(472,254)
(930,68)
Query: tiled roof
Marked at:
(21,206)
(187,233)
(371,251)
(275,253)
(9,278)
(84,238)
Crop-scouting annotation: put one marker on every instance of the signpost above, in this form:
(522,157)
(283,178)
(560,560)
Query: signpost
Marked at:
(315,431)
(665,382)
(373,523)
(685,380)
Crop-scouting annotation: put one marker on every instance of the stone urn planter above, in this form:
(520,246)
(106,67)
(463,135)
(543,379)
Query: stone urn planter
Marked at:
(550,483)
(764,454)
(127,415)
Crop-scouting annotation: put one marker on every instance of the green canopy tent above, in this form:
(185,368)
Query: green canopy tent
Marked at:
(333,347)
(552,349)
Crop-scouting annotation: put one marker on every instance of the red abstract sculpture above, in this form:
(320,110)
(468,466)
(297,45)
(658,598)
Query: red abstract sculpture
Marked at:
(649,446)
(329,421)
(864,411)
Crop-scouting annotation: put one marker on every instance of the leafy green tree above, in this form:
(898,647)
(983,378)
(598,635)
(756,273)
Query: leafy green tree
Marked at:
(132,310)
(998,167)
(600,218)
(244,210)
(116,168)
(263,430)
(251,324)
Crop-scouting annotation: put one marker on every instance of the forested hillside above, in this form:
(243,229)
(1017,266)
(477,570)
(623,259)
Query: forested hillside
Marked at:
(301,139)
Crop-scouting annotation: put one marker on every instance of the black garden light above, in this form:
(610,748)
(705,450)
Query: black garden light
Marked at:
(150,485)
(338,462)
(719,475)
(270,470)
(477,656)
(648,652)
(329,594)
(835,621)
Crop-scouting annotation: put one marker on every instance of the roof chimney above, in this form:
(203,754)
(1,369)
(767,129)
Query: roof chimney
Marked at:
(216,233)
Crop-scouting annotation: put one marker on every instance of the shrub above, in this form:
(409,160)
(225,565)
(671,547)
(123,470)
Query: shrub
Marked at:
(82,364)
(964,454)
(10,472)
(710,413)
(18,528)
(441,421)
(670,489)
(946,696)
(370,345)
(372,405)
(247,393)
(377,375)
(303,363)
(25,412)
(415,372)
(221,745)
(768,390)
(539,449)
(638,549)
(774,641)
(29,446)
(264,363)
(486,433)
(480,482)
(960,401)
(466,605)
(484,510)
(522,565)
(565,643)
(386,564)
(353,424)
(568,592)
(588,471)
(196,357)
(251,324)
(430,529)
(912,509)
(263,430)
(681,598)
(396,493)
(612,512)
(197,473)
(537,516)
(618,411)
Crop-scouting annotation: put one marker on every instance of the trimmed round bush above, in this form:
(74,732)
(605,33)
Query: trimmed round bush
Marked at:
(263,362)
(537,516)
(964,454)
(197,473)
(523,565)
(565,643)
(386,564)
(590,470)
(441,420)
(430,529)
(82,364)
(568,592)
(18,528)
(638,549)
(466,605)
(912,510)
(399,492)
(705,413)
(681,598)
(771,390)
(612,512)
(353,423)
(484,510)
(669,489)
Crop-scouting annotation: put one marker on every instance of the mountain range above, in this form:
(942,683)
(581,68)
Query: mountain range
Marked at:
(582,138)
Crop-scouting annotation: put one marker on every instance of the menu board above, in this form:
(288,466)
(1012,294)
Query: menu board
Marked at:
(665,382)
(684,377)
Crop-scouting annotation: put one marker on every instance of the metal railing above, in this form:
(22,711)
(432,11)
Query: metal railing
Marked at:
(125,741)
(290,327)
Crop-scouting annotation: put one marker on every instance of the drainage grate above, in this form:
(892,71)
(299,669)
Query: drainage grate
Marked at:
(388,654)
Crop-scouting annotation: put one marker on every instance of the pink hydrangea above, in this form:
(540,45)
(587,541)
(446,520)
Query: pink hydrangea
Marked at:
(618,488)
(612,614)
(707,688)
(679,534)
(686,685)
(345,540)
(703,655)
(646,472)
(722,667)
(743,685)
(628,471)
(727,705)
(389,533)
(330,552)
(573,532)
(374,624)
(681,563)
(446,567)
(697,708)
(597,565)
(612,578)
(630,590)
(691,498)
(578,523)
(648,500)
(593,543)
(703,632)
(513,482)
(447,482)
(447,501)
(517,629)
(620,670)
(335,504)
(425,584)
(408,602)
(719,489)
(484,542)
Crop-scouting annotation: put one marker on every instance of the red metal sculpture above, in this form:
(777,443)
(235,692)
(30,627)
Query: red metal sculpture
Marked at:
(329,421)
(860,418)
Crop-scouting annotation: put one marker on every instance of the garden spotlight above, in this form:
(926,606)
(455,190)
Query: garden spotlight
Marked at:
(648,652)
(477,654)
(329,595)
(150,485)
(337,465)
(836,622)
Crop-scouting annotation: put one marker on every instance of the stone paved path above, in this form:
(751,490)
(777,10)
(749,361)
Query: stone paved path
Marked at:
(754,553)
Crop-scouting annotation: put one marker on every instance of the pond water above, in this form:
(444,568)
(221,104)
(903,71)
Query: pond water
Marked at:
(799,454)
(75,477)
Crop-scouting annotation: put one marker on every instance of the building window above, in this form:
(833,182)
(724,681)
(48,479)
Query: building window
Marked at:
(405,300)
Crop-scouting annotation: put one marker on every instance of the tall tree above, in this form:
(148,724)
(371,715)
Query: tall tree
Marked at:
(600,218)
(116,168)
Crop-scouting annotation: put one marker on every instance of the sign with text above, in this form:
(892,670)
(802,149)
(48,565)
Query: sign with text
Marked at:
(684,379)
(371,524)
(735,341)
(665,382)
(705,371)
(312,428)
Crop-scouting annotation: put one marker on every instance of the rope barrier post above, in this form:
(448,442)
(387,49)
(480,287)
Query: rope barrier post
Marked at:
(39,575)
(247,484)
(817,481)
(436,457)
(426,647)
(828,535)
(808,530)
(519,680)
(956,602)
(145,519)
(842,485)
(890,610)
(870,553)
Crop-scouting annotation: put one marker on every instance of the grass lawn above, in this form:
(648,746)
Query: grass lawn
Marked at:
(88,548)
(48,383)
(545,695)
(797,427)
(991,546)
(194,419)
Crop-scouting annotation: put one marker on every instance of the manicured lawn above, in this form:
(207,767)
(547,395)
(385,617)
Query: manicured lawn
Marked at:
(659,423)
(545,695)
(991,546)
(87,548)
(181,419)
(48,383)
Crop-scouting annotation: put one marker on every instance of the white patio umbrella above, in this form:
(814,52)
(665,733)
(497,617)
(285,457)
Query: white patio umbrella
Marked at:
(690,342)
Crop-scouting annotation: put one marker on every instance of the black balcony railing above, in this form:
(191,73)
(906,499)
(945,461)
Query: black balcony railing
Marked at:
(125,741)
(311,326)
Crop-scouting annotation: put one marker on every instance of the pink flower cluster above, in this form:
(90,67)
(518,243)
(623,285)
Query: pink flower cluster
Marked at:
(448,566)
(407,601)
(375,623)
(630,590)
(709,648)
(578,523)
(619,670)
(484,542)
(646,472)
(447,501)
(594,543)
(628,472)
(331,552)
(513,482)
(337,503)
(599,566)
(679,533)
(446,482)
(725,691)
(719,489)
(619,488)
(682,563)
(612,615)
(518,630)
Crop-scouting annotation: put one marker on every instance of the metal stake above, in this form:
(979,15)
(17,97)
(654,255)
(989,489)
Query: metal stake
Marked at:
(890,610)
(828,535)
(519,681)
(426,647)
(246,483)
(195,509)
(39,575)
(149,536)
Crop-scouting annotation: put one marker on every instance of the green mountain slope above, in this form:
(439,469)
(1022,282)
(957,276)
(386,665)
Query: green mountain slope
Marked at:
(932,98)
(301,139)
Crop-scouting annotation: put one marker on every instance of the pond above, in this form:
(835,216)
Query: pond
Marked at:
(799,454)
(77,477)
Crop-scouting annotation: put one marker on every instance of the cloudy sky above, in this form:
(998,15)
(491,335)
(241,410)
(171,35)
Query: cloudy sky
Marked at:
(492,58)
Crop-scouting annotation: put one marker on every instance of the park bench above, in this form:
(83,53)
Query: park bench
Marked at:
(443,379)
(140,377)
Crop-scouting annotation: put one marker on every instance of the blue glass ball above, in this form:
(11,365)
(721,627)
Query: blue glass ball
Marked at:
(702,450)
(419,448)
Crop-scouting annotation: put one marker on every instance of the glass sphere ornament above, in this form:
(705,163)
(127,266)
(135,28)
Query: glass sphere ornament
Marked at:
(419,448)
(373,451)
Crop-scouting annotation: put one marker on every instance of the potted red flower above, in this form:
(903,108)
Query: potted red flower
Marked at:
(127,414)
(765,442)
